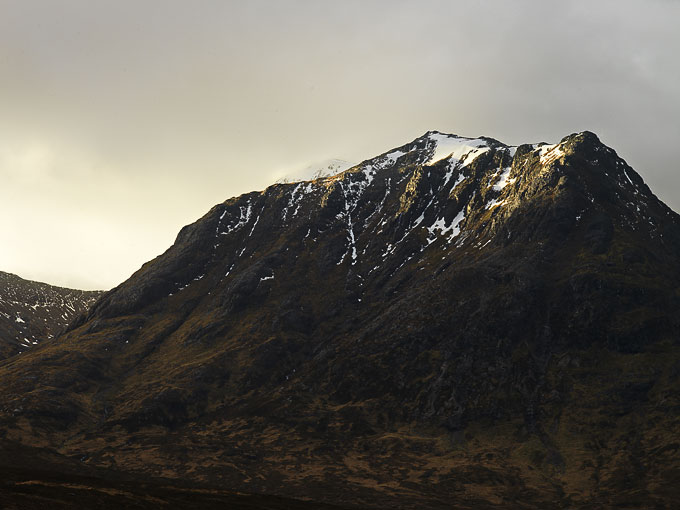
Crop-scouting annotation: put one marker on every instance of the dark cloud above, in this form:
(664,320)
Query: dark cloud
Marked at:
(122,121)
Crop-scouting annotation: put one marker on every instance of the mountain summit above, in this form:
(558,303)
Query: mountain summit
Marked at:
(455,321)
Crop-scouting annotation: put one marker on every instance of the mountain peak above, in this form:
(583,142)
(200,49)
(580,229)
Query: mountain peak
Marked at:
(435,146)
(583,137)
(438,196)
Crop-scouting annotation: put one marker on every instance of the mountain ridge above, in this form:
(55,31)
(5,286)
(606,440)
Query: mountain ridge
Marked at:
(31,311)
(387,157)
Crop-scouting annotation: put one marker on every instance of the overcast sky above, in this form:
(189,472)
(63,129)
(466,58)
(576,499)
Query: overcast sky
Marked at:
(121,121)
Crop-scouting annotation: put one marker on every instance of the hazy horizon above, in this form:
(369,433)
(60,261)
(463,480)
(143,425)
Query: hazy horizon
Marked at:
(124,121)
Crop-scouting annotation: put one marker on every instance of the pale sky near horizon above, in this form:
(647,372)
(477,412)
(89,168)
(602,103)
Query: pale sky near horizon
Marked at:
(121,121)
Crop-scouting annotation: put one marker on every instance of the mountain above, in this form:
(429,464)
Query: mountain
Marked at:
(31,312)
(455,322)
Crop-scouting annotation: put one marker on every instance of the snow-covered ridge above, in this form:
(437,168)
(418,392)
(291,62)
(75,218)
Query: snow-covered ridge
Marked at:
(414,162)
(424,195)
(438,146)
(455,148)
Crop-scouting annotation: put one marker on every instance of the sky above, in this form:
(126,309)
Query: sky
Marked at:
(121,121)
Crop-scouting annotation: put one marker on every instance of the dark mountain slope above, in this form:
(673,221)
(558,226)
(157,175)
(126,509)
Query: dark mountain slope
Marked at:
(31,312)
(453,321)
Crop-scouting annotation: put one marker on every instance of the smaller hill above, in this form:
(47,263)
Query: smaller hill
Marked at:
(31,312)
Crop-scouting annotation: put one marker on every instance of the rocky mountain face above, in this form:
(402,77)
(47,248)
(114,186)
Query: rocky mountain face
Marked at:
(454,322)
(32,312)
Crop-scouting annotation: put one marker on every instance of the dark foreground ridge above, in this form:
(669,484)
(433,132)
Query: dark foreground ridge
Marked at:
(453,323)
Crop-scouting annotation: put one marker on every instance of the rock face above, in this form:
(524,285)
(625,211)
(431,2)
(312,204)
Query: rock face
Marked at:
(32,312)
(455,321)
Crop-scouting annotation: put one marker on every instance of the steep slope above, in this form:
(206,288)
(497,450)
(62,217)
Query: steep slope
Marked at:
(454,320)
(31,312)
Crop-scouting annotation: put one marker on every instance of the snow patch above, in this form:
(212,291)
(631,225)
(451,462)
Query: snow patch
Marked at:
(455,148)
(245,212)
(460,179)
(628,177)
(439,226)
(381,163)
(254,225)
(549,153)
(495,202)
(392,158)
(504,180)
